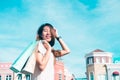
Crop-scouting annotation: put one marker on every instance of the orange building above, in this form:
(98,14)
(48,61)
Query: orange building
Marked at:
(59,70)
(62,73)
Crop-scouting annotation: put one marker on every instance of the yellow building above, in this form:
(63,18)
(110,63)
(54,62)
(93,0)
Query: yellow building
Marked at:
(95,64)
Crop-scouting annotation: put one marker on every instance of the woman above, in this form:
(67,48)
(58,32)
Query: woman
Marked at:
(44,69)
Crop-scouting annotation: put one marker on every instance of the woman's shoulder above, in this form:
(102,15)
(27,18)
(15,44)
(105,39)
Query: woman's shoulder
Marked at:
(41,47)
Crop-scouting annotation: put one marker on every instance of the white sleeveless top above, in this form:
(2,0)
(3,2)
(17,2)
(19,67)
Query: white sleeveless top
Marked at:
(48,72)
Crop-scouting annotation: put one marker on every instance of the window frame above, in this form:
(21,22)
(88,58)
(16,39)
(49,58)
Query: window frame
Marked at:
(8,77)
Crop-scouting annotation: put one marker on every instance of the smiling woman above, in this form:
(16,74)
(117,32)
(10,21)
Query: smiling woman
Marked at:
(45,54)
(84,24)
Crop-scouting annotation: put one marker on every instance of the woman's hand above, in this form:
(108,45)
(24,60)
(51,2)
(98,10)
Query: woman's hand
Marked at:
(46,45)
(65,49)
(55,33)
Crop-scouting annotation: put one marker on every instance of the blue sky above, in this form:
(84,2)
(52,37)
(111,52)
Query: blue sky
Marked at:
(85,25)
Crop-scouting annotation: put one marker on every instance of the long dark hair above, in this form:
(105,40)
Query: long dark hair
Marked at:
(40,30)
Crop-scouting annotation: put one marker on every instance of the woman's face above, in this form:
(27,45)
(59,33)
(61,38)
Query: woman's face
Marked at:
(46,34)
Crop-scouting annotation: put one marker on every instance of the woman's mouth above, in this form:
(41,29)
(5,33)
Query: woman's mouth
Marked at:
(48,37)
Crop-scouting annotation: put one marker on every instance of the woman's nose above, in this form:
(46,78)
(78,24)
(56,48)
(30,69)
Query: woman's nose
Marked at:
(48,33)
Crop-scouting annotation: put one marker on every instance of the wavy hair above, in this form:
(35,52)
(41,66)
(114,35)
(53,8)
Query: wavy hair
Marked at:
(40,30)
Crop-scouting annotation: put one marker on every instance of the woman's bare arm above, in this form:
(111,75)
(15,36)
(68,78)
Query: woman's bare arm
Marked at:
(42,60)
(65,50)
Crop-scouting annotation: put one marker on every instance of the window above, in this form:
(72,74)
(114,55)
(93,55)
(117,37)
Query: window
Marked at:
(89,60)
(91,76)
(102,77)
(103,60)
(60,76)
(64,77)
(19,76)
(109,60)
(27,77)
(97,60)
(8,77)
(0,77)
(116,77)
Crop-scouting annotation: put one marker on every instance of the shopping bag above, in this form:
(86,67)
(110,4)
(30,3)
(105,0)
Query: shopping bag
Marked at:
(30,64)
(29,67)
(23,57)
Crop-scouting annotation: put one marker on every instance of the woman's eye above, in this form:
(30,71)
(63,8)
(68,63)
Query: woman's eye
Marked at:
(45,30)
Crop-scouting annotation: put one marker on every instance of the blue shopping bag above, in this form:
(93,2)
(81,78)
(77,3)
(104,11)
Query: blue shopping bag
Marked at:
(19,63)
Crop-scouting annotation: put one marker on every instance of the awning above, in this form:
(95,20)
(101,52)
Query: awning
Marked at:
(115,73)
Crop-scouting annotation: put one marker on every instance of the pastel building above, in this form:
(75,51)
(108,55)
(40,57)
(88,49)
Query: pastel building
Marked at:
(59,70)
(100,66)
(61,73)
(113,69)
(68,75)
(5,72)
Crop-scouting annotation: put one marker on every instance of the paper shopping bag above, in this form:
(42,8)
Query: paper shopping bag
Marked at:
(29,67)
(30,64)
(22,58)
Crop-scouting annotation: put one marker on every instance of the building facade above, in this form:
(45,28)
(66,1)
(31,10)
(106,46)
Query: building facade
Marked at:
(61,73)
(100,66)
(5,72)
(59,70)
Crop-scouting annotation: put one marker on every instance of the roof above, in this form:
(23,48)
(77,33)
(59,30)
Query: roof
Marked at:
(115,73)
(98,50)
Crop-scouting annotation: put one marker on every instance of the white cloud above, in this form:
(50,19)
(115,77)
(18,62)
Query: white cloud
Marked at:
(107,13)
(82,29)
